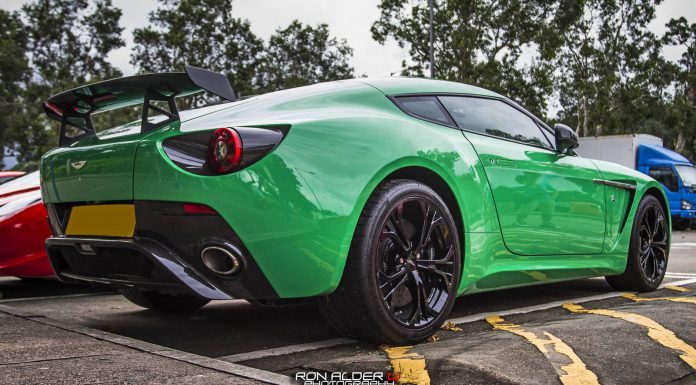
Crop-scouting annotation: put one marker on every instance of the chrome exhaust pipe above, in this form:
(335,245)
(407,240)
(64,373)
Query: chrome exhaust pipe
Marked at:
(221,260)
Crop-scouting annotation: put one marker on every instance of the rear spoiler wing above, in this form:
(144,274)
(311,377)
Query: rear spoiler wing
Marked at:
(74,107)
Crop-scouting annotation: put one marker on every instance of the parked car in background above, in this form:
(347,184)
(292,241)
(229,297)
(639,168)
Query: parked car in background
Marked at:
(646,154)
(6,176)
(23,229)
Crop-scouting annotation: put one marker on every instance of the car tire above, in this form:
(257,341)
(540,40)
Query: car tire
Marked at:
(390,254)
(681,224)
(648,251)
(164,302)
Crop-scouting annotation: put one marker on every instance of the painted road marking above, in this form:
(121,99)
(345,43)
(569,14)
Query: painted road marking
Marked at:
(635,298)
(679,276)
(657,332)
(290,349)
(677,288)
(570,368)
(684,244)
(410,367)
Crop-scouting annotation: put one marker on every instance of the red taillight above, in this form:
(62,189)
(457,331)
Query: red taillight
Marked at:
(224,151)
(197,209)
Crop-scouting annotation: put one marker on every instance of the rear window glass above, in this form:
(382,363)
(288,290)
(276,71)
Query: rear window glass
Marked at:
(426,107)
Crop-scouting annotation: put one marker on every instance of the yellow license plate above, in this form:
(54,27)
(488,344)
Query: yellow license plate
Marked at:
(102,220)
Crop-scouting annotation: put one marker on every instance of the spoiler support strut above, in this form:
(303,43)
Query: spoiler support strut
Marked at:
(74,108)
(172,115)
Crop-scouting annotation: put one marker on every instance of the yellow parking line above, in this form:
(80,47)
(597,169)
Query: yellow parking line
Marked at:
(409,366)
(677,288)
(634,297)
(573,373)
(657,332)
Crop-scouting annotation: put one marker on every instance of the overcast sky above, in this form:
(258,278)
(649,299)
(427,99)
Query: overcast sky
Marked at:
(349,19)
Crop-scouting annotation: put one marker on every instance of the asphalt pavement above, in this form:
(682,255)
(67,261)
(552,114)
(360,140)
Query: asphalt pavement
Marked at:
(577,332)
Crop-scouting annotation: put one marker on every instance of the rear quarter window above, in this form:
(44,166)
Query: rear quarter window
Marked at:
(425,107)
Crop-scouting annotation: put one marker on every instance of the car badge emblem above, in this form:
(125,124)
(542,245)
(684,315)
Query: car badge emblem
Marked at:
(79,164)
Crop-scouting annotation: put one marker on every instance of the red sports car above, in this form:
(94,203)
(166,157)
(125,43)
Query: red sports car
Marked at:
(23,229)
(6,176)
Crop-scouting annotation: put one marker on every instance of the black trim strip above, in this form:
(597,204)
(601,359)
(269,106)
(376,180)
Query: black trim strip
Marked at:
(612,183)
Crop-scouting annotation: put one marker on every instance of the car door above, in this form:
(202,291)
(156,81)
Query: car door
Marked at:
(547,203)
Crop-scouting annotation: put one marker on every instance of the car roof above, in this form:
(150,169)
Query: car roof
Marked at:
(396,85)
(653,151)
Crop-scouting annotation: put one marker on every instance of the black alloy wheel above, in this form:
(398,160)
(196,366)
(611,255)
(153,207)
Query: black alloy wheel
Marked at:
(403,268)
(415,262)
(648,252)
(653,240)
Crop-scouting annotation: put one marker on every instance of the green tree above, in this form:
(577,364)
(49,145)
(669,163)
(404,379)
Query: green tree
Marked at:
(682,114)
(300,54)
(611,73)
(14,72)
(67,44)
(201,33)
(482,42)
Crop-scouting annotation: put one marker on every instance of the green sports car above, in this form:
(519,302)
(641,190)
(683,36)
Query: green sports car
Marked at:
(381,199)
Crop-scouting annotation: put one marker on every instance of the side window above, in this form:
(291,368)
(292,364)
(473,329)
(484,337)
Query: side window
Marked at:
(666,176)
(426,107)
(494,117)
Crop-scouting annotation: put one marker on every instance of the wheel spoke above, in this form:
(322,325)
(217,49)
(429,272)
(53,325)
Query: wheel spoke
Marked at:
(396,287)
(644,259)
(654,260)
(393,231)
(416,298)
(658,223)
(387,279)
(395,227)
(661,246)
(431,218)
(438,273)
(646,223)
(447,260)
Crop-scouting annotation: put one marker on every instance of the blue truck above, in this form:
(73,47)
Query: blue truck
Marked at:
(646,154)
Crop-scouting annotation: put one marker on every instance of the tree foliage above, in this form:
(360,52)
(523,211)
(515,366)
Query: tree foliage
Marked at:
(14,72)
(300,54)
(682,111)
(201,33)
(593,64)
(481,42)
(595,61)
(611,69)
(58,44)
(294,56)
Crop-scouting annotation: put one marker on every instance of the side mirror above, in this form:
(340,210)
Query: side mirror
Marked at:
(566,139)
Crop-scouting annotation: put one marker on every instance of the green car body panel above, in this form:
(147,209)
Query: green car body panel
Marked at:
(528,215)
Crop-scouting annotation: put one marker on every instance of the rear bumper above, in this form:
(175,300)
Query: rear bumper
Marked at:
(164,254)
(684,214)
(143,264)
